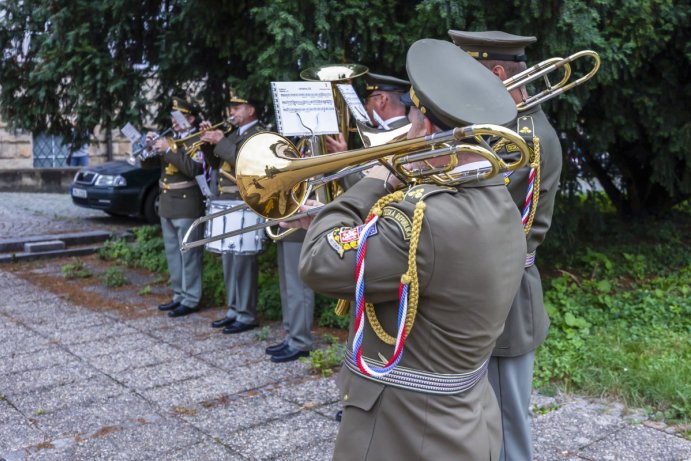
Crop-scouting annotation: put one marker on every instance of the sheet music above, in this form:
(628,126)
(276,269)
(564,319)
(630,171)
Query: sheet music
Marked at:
(353,101)
(304,108)
(131,133)
(180,119)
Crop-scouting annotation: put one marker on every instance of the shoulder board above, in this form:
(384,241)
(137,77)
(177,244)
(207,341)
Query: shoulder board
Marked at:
(525,127)
(421,192)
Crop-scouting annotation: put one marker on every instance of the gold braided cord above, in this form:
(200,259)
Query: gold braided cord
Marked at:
(534,163)
(343,306)
(410,277)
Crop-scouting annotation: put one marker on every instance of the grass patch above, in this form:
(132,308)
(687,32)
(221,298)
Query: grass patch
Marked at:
(75,270)
(114,277)
(324,361)
(621,318)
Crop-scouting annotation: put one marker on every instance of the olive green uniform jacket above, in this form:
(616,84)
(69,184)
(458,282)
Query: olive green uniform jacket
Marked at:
(224,155)
(470,260)
(176,168)
(527,324)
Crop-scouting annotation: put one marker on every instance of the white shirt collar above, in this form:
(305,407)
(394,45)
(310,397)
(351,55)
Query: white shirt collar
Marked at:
(247,126)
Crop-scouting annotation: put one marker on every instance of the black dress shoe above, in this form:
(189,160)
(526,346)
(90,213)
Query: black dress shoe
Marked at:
(168,306)
(181,310)
(224,322)
(288,355)
(239,327)
(276,348)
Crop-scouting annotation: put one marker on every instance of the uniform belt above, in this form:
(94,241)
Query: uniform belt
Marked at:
(228,189)
(423,381)
(176,185)
(530,259)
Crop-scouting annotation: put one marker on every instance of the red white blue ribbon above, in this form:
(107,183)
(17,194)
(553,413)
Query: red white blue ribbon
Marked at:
(370,229)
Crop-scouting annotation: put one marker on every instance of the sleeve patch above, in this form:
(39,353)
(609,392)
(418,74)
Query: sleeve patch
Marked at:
(344,239)
(401,220)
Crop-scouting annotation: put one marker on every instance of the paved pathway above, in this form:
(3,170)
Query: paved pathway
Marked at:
(78,384)
(27,214)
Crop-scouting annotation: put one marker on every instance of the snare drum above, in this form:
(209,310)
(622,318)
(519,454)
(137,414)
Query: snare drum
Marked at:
(248,243)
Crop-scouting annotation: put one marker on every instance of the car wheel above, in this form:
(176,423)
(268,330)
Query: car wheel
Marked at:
(151,207)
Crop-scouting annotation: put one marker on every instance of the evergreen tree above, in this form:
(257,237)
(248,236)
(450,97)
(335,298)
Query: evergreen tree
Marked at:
(95,60)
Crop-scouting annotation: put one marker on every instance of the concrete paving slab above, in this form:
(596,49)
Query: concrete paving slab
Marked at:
(80,393)
(92,419)
(224,418)
(151,441)
(42,358)
(281,438)
(195,390)
(231,358)
(312,391)
(574,425)
(116,363)
(321,451)
(66,320)
(134,340)
(23,341)
(46,378)
(204,450)
(164,374)
(636,443)
(91,333)
(16,430)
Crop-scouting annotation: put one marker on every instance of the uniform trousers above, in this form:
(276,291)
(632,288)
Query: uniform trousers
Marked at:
(241,273)
(297,300)
(511,378)
(185,269)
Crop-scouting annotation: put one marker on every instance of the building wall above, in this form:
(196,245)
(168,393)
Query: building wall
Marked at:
(16,148)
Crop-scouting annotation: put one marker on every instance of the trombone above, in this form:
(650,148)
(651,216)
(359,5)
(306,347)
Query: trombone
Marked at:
(545,67)
(274,181)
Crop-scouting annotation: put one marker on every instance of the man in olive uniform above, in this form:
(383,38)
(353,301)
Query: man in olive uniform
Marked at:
(436,402)
(240,271)
(383,104)
(383,100)
(511,366)
(180,203)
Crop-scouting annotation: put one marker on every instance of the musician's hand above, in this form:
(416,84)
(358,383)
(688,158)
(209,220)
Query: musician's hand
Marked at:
(161,145)
(302,223)
(212,137)
(383,173)
(336,145)
(205,125)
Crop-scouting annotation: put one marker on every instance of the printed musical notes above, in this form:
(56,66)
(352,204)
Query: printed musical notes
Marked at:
(304,108)
(354,103)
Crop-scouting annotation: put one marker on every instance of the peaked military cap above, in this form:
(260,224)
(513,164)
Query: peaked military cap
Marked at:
(374,82)
(236,99)
(185,106)
(492,44)
(452,89)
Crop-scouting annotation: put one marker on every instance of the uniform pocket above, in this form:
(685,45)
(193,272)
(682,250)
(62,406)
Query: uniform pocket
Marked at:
(360,399)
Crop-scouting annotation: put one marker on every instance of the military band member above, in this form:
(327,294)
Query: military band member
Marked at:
(511,366)
(297,303)
(180,203)
(470,253)
(383,104)
(240,271)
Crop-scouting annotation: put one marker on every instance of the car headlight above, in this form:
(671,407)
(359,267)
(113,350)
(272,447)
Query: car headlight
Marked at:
(110,180)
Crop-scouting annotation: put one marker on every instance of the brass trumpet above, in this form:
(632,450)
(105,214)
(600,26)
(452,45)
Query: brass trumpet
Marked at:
(193,142)
(545,67)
